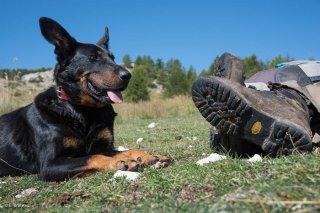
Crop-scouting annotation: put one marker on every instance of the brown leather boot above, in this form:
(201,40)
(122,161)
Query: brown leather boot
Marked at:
(274,122)
(230,67)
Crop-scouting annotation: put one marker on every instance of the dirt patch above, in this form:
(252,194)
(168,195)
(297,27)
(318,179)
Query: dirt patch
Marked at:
(238,194)
(267,172)
(134,193)
(67,197)
(192,192)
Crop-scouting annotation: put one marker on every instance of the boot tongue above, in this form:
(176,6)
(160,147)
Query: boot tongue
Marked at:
(115,96)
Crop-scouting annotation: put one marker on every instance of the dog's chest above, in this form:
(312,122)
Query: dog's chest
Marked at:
(98,139)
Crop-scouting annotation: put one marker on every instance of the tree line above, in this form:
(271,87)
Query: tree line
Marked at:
(170,76)
(176,79)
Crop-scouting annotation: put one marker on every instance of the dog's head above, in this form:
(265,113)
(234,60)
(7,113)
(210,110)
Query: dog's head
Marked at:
(87,73)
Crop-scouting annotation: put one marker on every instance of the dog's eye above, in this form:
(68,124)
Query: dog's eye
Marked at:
(94,57)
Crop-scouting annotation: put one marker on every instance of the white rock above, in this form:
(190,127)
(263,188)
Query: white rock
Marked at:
(139,140)
(152,125)
(26,193)
(297,207)
(256,158)
(189,146)
(46,76)
(194,138)
(122,148)
(211,158)
(131,176)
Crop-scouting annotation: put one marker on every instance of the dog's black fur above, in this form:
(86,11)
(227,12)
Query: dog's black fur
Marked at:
(68,130)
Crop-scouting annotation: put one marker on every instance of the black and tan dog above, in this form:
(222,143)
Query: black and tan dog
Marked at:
(68,130)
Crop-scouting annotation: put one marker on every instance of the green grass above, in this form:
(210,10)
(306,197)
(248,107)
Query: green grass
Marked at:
(231,185)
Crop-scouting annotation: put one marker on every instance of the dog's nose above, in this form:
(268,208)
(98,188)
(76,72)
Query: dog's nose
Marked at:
(124,75)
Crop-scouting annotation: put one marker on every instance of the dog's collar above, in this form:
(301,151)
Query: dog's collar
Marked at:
(62,95)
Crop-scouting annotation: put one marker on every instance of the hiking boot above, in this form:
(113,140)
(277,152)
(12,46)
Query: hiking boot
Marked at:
(274,122)
(230,67)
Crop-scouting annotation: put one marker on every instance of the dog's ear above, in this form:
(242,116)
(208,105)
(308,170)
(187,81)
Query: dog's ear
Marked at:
(104,41)
(58,36)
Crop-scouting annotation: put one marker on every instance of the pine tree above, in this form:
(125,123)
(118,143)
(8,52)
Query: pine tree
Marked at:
(204,73)
(177,82)
(159,64)
(212,66)
(127,61)
(138,61)
(161,73)
(191,76)
(138,86)
(251,65)
(149,67)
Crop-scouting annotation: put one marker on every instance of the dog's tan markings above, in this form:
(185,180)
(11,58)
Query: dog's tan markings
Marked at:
(142,157)
(105,134)
(100,79)
(85,98)
(103,163)
(71,142)
(104,79)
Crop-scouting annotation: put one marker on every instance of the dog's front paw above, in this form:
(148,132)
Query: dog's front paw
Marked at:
(155,161)
(159,164)
(146,159)
(140,159)
(128,165)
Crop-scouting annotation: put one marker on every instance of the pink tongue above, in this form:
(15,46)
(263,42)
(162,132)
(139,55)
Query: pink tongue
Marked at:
(115,96)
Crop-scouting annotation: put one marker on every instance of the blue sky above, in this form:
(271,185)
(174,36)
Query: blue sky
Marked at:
(193,31)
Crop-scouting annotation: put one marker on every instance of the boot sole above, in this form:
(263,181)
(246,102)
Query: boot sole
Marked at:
(230,112)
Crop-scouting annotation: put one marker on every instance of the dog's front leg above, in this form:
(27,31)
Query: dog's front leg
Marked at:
(65,168)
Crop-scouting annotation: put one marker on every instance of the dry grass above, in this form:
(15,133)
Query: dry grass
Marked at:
(14,94)
(5,102)
(7,92)
(179,105)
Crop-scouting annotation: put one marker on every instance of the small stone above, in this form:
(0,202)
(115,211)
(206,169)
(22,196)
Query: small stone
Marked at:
(256,158)
(122,148)
(139,140)
(26,193)
(130,176)
(152,125)
(211,158)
